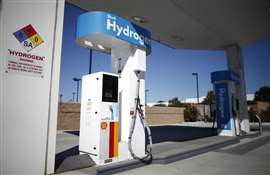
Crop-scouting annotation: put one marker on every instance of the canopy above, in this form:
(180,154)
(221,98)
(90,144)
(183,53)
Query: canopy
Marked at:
(192,24)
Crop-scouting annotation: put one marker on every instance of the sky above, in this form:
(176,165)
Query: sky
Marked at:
(169,71)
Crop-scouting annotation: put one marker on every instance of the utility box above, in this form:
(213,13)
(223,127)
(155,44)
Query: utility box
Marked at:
(99,117)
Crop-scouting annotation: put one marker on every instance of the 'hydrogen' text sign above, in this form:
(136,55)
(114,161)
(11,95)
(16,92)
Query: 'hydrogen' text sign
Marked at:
(105,24)
(222,105)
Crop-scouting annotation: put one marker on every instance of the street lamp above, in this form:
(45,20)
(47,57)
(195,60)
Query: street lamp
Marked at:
(73,96)
(197,84)
(146,90)
(90,61)
(61,95)
(78,84)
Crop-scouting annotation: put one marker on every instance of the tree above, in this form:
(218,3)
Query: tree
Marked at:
(190,113)
(210,98)
(160,103)
(263,94)
(174,102)
(265,115)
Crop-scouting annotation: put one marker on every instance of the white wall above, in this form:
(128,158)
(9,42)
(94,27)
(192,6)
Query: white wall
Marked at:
(53,111)
(194,100)
(1,92)
(29,103)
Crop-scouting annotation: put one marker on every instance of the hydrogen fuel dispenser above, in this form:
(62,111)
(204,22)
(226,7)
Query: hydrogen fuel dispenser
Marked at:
(111,103)
(99,116)
(227,102)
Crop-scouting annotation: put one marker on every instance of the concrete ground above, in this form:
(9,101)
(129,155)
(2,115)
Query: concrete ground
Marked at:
(65,140)
(175,137)
(254,161)
(250,156)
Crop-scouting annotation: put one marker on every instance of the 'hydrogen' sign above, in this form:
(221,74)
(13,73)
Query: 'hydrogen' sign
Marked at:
(222,106)
(106,24)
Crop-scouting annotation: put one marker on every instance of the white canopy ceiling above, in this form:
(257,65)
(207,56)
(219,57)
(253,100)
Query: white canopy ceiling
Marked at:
(193,24)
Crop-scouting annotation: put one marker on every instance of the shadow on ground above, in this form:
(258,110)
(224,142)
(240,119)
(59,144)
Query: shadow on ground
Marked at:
(60,157)
(65,160)
(179,133)
(76,133)
(71,160)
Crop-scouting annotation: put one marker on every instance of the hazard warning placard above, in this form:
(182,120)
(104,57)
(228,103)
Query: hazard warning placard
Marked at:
(24,63)
(28,37)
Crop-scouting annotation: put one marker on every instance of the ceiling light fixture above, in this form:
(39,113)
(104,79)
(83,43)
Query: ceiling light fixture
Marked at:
(88,43)
(100,47)
(139,19)
(177,38)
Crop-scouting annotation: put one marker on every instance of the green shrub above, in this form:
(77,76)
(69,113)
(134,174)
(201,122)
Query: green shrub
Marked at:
(263,94)
(190,113)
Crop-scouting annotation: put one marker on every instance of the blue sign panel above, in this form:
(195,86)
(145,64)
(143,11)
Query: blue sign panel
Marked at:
(224,76)
(103,23)
(222,106)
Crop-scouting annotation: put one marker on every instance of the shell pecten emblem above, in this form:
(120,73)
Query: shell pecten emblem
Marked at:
(103,125)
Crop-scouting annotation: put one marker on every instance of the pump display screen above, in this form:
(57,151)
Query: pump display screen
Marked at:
(110,88)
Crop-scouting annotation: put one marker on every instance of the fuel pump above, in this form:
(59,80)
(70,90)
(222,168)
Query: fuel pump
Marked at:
(99,121)
(227,103)
(112,125)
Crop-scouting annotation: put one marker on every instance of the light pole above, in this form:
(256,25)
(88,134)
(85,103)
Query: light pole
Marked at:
(78,85)
(61,95)
(146,90)
(90,61)
(73,96)
(197,84)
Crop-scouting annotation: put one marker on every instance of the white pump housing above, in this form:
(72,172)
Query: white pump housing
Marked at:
(128,64)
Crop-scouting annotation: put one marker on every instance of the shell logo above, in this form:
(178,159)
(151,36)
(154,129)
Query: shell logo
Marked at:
(103,125)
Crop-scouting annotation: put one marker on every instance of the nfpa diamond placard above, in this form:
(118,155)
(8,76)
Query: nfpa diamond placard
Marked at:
(28,37)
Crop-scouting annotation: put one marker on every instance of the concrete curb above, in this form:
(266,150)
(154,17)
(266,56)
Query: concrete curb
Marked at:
(251,135)
(118,167)
(165,159)
(193,152)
